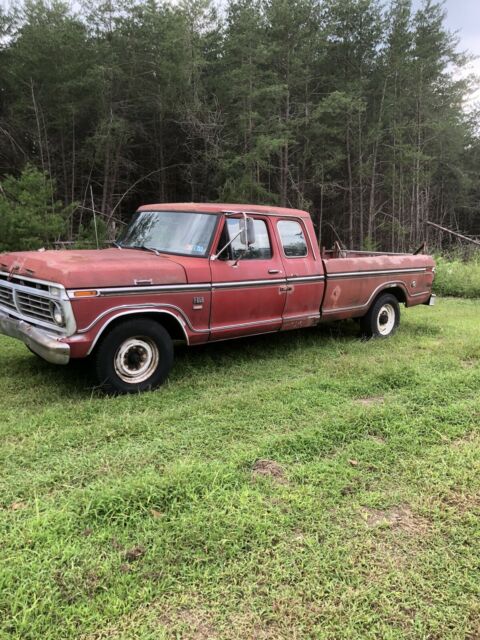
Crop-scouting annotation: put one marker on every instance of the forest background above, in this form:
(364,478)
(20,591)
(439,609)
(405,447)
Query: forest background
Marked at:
(352,109)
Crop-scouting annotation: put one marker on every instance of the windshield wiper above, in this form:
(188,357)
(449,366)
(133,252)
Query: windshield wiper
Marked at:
(143,247)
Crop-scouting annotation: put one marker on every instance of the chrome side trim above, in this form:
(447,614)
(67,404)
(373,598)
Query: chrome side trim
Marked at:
(175,288)
(165,288)
(305,316)
(375,272)
(144,308)
(128,313)
(384,286)
(134,309)
(301,279)
(247,283)
(247,324)
(257,323)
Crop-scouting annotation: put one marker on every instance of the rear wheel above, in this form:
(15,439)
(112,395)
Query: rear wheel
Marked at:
(382,318)
(135,356)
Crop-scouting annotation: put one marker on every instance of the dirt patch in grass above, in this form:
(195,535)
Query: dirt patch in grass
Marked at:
(18,506)
(400,518)
(465,440)
(134,554)
(72,588)
(199,623)
(189,624)
(269,469)
(370,402)
(463,503)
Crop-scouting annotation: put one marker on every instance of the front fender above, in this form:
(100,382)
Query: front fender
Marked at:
(84,341)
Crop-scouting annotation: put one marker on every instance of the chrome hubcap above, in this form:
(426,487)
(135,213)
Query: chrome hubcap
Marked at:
(136,359)
(386,319)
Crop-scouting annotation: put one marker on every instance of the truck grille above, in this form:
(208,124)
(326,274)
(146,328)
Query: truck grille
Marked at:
(28,304)
(6,298)
(34,306)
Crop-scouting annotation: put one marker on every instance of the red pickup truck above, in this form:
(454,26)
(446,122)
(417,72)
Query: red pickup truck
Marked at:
(197,273)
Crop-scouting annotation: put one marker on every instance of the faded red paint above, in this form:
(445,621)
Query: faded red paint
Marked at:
(343,286)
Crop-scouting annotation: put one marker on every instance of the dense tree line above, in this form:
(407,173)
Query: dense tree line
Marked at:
(346,108)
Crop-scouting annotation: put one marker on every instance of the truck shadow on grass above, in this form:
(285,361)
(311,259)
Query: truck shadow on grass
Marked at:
(269,345)
(77,380)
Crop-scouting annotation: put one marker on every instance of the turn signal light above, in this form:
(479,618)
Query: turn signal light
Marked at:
(85,294)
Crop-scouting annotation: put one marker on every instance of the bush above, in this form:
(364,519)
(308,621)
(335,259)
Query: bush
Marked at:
(457,277)
(30,218)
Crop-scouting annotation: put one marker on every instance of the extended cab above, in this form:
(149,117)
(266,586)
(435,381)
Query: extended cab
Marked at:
(197,273)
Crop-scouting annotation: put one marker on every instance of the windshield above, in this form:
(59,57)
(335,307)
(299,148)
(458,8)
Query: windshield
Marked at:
(179,232)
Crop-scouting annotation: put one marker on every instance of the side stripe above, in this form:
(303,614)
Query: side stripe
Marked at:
(182,288)
(247,283)
(301,279)
(206,286)
(139,290)
(376,272)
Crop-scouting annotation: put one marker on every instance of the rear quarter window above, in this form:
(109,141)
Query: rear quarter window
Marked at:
(292,239)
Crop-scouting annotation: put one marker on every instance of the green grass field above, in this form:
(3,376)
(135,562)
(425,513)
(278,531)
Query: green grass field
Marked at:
(150,517)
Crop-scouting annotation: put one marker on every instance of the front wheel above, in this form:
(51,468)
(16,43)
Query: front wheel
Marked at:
(382,318)
(135,356)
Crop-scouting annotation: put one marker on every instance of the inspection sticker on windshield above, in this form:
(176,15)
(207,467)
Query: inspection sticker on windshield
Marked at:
(199,248)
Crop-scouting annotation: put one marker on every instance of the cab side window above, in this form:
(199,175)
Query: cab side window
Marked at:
(260,250)
(292,239)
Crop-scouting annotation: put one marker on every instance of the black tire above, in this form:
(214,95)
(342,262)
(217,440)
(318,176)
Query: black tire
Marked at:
(382,318)
(134,356)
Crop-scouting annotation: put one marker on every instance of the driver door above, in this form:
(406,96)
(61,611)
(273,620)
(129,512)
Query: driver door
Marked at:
(248,283)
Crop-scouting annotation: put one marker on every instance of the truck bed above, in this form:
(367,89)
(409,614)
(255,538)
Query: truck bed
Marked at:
(353,279)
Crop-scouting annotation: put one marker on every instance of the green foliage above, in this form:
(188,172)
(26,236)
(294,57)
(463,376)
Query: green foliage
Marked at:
(139,517)
(349,107)
(456,277)
(30,218)
(92,235)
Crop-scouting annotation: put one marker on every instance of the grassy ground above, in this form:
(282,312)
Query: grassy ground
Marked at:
(146,517)
(456,277)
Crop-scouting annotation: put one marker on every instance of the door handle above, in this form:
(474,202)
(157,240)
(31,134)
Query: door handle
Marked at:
(274,271)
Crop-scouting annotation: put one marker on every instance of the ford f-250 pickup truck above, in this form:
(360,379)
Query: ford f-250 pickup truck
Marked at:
(197,273)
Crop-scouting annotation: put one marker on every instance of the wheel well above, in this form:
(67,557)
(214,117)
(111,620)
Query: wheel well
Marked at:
(398,292)
(169,322)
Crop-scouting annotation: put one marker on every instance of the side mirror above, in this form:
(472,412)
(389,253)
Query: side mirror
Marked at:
(246,234)
(250,231)
(247,231)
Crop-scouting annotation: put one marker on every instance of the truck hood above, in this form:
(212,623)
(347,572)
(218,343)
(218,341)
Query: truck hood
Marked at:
(94,268)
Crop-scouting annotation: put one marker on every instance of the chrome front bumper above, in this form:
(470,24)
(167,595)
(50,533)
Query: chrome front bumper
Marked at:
(42,343)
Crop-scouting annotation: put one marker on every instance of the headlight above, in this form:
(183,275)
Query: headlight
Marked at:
(57,314)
